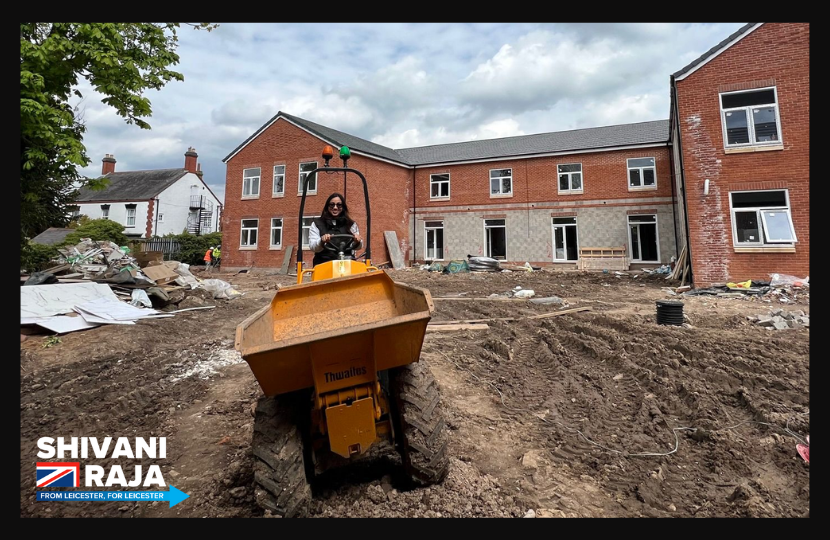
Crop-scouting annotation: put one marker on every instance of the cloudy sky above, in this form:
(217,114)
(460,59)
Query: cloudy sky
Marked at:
(398,84)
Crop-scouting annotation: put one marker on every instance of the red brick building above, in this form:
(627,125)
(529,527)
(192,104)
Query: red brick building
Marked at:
(740,121)
(534,198)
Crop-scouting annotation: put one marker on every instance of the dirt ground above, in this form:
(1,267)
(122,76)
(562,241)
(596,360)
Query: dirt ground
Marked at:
(600,413)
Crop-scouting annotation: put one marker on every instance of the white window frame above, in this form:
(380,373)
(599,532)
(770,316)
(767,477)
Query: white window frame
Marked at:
(105,212)
(427,230)
(553,226)
(640,240)
(487,252)
(245,234)
(207,221)
(130,216)
(248,183)
(761,219)
(161,217)
(642,185)
(271,236)
(501,185)
(750,121)
(439,183)
(302,176)
(569,174)
(274,192)
(306,228)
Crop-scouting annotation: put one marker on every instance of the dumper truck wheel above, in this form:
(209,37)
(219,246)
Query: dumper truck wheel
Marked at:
(279,468)
(419,424)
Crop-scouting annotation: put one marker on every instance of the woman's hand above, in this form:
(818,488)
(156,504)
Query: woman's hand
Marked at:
(326,237)
(357,238)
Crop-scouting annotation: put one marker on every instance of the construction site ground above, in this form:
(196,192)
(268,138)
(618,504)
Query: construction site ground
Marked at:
(599,413)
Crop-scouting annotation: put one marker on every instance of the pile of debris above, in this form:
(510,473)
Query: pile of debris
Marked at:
(778,319)
(781,288)
(96,283)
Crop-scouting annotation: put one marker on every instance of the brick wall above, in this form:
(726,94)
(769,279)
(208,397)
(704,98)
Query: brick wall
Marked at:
(776,54)
(283,143)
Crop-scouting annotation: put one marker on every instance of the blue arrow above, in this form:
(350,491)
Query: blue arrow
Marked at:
(174,496)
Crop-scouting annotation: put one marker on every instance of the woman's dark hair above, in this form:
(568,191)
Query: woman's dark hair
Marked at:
(343,215)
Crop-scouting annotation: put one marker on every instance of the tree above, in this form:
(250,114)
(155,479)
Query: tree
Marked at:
(100,230)
(120,60)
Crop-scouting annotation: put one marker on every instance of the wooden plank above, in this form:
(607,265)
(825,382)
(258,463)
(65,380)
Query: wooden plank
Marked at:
(394,249)
(454,327)
(286,260)
(507,319)
(493,299)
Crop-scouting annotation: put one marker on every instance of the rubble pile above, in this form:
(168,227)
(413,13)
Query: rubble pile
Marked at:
(779,319)
(96,283)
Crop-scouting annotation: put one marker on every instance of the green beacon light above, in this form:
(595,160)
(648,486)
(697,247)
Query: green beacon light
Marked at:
(345,154)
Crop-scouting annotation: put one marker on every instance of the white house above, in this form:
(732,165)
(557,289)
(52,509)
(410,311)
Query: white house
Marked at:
(154,202)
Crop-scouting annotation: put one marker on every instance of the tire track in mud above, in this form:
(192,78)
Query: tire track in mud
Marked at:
(625,384)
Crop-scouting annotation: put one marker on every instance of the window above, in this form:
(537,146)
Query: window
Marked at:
(501,182)
(74,212)
(161,217)
(105,211)
(439,186)
(306,168)
(130,217)
(761,217)
(434,237)
(276,232)
(495,240)
(250,183)
(207,221)
(643,238)
(306,226)
(570,177)
(248,234)
(279,180)
(641,173)
(750,118)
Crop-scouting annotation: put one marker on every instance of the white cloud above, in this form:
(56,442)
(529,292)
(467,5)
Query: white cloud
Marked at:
(398,84)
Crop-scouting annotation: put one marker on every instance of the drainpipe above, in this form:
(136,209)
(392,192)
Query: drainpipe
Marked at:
(682,177)
(156,226)
(414,216)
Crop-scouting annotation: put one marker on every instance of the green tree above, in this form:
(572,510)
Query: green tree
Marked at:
(193,247)
(100,230)
(119,60)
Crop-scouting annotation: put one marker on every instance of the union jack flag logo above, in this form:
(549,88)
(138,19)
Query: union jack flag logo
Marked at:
(58,475)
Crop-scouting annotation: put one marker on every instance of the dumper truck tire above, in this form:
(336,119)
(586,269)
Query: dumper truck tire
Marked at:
(279,466)
(421,432)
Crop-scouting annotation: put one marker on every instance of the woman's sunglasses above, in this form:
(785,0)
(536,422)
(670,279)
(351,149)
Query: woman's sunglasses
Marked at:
(335,205)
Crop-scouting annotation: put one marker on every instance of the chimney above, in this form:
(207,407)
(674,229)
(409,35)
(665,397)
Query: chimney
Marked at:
(199,170)
(190,159)
(108,164)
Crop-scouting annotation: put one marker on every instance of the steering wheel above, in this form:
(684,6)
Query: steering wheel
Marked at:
(346,243)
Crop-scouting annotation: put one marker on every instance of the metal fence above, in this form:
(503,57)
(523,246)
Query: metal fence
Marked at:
(169,247)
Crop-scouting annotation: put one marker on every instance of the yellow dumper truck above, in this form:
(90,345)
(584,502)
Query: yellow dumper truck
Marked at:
(336,356)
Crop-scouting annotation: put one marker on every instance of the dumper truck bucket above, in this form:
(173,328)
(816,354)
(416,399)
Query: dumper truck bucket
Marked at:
(367,317)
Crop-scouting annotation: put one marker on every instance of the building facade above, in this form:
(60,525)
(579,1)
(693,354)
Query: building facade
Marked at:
(535,198)
(154,202)
(740,131)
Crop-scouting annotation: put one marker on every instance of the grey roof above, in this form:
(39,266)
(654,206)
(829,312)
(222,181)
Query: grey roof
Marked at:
(337,138)
(52,236)
(705,56)
(656,131)
(133,185)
